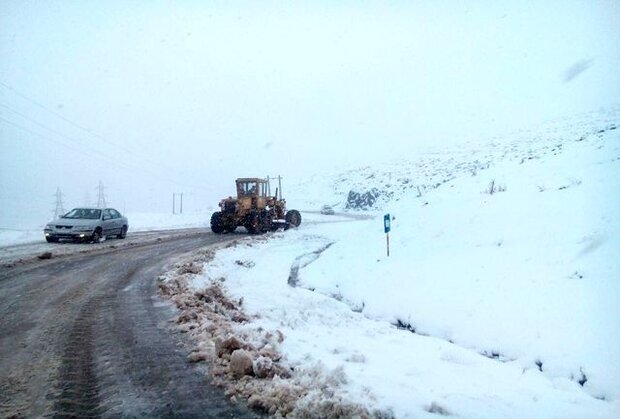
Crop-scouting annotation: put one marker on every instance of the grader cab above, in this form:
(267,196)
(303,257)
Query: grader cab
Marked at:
(254,208)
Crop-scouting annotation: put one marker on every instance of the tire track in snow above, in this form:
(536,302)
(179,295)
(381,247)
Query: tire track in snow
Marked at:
(303,261)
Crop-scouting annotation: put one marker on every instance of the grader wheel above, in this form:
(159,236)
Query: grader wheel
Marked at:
(293,218)
(253,223)
(216,223)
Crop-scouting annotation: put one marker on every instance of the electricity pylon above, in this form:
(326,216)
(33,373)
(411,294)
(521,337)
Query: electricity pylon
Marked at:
(59,210)
(100,196)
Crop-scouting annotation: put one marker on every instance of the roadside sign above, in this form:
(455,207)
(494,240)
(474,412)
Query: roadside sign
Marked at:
(386,227)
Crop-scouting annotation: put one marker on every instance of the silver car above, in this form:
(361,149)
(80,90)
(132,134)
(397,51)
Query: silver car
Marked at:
(87,224)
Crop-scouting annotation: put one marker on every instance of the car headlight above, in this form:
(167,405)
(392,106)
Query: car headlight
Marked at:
(49,227)
(83,228)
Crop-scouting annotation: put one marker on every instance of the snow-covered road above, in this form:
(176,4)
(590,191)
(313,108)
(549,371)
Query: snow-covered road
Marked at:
(87,336)
(30,251)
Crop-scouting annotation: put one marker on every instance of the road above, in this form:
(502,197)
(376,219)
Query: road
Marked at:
(85,334)
(28,252)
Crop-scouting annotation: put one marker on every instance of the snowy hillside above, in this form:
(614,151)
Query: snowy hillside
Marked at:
(500,297)
(434,167)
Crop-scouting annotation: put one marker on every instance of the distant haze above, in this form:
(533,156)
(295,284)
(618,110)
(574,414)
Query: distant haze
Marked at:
(156,97)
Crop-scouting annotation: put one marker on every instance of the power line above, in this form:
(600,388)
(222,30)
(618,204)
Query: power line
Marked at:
(53,131)
(23,96)
(76,125)
(89,151)
(63,144)
(111,160)
(6,121)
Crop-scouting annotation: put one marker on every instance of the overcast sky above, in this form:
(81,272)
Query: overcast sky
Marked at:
(152,97)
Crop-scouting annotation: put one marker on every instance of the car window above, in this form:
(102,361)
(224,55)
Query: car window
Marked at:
(115,214)
(106,214)
(83,213)
(74,213)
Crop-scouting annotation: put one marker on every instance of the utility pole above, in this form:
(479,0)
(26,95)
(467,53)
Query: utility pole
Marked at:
(174,202)
(100,196)
(59,210)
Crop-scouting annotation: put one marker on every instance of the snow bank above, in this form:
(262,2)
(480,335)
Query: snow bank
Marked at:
(246,358)
(512,296)
(529,274)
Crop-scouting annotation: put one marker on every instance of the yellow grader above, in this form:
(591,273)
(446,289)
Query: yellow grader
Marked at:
(254,208)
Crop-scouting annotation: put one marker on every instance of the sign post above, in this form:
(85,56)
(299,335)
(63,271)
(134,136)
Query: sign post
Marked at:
(386,227)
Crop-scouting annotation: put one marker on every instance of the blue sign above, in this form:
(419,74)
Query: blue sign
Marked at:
(386,223)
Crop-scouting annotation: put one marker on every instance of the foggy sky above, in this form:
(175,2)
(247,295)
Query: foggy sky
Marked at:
(153,97)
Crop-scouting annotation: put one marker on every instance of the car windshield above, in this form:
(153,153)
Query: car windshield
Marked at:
(83,213)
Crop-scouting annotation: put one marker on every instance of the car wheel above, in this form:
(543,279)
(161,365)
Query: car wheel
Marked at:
(123,233)
(96,237)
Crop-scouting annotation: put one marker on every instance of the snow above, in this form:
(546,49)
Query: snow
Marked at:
(489,305)
(513,296)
